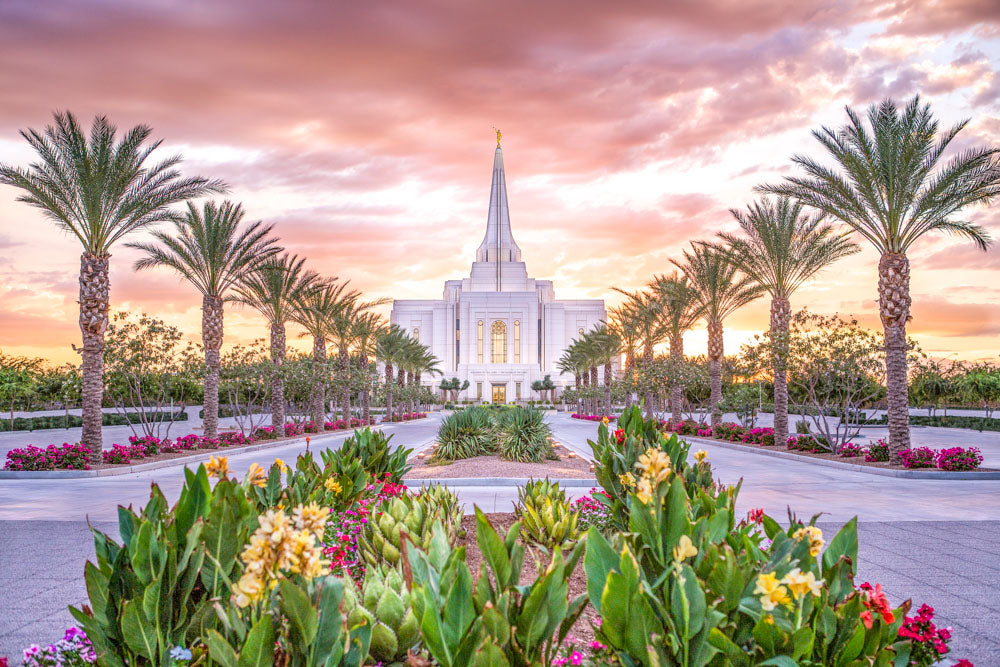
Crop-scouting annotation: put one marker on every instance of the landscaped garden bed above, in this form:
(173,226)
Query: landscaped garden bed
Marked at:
(493,466)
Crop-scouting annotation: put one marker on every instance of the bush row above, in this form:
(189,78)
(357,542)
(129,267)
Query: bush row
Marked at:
(75,421)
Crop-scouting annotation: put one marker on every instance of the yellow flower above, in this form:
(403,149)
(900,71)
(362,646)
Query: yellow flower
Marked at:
(685,549)
(256,475)
(802,584)
(655,464)
(332,485)
(218,467)
(604,420)
(627,480)
(771,592)
(281,464)
(815,537)
(700,455)
(644,490)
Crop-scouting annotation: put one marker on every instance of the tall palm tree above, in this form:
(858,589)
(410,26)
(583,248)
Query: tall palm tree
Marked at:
(779,250)
(210,251)
(645,314)
(314,310)
(100,190)
(721,290)
(623,324)
(892,189)
(572,363)
(367,330)
(425,362)
(605,345)
(340,331)
(272,290)
(389,349)
(680,309)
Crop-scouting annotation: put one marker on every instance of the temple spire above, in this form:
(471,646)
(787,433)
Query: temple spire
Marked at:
(498,245)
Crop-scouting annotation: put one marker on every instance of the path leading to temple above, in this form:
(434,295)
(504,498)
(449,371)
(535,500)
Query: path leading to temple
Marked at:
(934,541)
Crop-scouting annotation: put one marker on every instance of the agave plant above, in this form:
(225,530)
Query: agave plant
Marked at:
(524,436)
(385,607)
(546,516)
(372,449)
(465,434)
(415,515)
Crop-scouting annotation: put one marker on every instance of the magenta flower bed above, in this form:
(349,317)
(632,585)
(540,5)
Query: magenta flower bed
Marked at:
(763,435)
(850,450)
(407,416)
(958,458)
(53,457)
(917,457)
(593,418)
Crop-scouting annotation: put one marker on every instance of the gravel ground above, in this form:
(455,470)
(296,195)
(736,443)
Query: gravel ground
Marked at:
(492,466)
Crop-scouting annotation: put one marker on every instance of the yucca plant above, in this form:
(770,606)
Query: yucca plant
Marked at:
(546,515)
(372,449)
(523,435)
(382,538)
(465,434)
(385,607)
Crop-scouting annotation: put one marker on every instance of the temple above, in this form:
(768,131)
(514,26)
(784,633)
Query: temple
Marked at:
(499,329)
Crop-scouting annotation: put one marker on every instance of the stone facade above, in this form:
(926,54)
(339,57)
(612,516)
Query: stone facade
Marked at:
(498,328)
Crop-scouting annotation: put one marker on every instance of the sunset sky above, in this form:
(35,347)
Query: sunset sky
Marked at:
(363,130)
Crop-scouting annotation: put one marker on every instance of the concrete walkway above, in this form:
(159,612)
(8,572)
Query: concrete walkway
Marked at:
(934,541)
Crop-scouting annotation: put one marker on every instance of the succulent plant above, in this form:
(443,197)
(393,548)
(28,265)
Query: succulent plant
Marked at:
(385,606)
(381,540)
(547,517)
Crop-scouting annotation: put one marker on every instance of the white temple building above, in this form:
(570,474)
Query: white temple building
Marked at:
(498,328)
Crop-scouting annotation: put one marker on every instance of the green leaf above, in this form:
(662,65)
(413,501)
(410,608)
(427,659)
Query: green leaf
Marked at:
(802,643)
(844,543)
(139,635)
(329,629)
(258,651)
(780,661)
(297,608)
(220,650)
(599,560)
(493,550)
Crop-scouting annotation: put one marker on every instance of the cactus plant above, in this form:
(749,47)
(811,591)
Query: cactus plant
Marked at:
(381,539)
(547,517)
(385,607)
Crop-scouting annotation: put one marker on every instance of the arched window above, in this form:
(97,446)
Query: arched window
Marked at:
(498,342)
(517,342)
(479,341)
(416,333)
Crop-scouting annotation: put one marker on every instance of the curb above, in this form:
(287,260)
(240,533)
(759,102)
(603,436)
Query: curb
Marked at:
(497,481)
(854,467)
(183,460)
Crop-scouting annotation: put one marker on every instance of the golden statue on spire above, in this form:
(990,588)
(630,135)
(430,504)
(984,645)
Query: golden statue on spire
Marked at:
(498,138)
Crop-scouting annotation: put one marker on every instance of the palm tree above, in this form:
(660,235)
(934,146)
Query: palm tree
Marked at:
(680,309)
(721,290)
(272,290)
(624,325)
(648,325)
(340,331)
(572,363)
(425,362)
(892,189)
(366,331)
(605,346)
(390,348)
(100,190)
(780,249)
(314,310)
(210,251)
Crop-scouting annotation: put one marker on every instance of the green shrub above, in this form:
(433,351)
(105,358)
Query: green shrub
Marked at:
(381,540)
(465,434)
(75,421)
(372,449)
(547,517)
(523,435)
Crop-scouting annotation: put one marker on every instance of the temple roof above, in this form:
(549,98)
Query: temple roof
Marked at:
(498,244)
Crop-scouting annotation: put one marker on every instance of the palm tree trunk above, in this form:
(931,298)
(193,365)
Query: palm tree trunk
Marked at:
(593,383)
(409,385)
(401,381)
(677,386)
(781,312)
(579,399)
(388,392)
(317,400)
(95,290)
(647,357)
(366,394)
(278,380)
(715,352)
(894,309)
(607,386)
(416,382)
(629,369)
(345,384)
(211,338)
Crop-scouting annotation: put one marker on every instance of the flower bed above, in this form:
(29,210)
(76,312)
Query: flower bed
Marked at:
(53,457)
(593,418)
(917,457)
(958,458)
(406,416)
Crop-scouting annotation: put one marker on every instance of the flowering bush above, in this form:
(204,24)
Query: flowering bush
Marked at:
(309,427)
(877,451)
(123,453)
(850,450)
(763,435)
(728,431)
(705,432)
(151,445)
(407,416)
(72,650)
(66,457)
(264,433)
(189,441)
(917,457)
(233,438)
(593,418)
(806,443)
(928,642)
(291,428)
(594,511)
(683,427)
(341,535)
(958,458)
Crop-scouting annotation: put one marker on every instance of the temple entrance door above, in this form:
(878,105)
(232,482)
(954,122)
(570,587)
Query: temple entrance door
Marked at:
(499,393)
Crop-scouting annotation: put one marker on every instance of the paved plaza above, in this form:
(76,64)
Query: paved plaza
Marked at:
(930,540)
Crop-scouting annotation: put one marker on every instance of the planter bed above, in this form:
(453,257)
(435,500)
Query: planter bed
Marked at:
(493,466)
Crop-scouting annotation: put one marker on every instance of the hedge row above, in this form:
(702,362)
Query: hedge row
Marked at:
(71,421)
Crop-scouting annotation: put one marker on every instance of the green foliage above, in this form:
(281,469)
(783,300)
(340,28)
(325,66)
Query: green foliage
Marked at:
(523,435)
(372,449)
(547,517)
(385,606)
(75,421)
(381,540)
(465,434)
(156,589)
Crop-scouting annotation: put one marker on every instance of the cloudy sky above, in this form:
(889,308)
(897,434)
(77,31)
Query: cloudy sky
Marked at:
(364,132)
